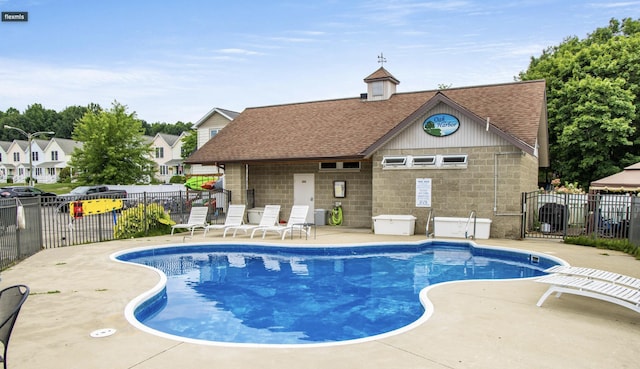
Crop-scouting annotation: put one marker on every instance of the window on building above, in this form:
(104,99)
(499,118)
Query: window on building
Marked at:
(159,152)
(338,165)
(38,172)
(332,165)
(454,160)
(164,170)
(394,161)
(424,160)
(377,88)
(16,156)
(213,132)
(351,165)
(54,155)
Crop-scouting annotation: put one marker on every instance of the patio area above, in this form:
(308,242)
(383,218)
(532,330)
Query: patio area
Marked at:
(478,324)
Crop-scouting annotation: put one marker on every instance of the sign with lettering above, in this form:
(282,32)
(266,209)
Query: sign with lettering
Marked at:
(423,192)
(15,16)
(440,125)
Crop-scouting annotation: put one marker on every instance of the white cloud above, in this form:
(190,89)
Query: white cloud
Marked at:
(620,4)
(239,52)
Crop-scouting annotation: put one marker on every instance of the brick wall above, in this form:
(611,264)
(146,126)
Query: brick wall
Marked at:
(273,184)
(456,192)
(373,191)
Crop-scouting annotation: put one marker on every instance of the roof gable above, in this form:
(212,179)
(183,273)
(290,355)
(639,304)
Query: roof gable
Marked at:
(65,144)
(228,114)
(170,140)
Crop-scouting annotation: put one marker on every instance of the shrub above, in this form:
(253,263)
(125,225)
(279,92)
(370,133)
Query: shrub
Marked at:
(606,243)
(65,175)
(177,179)
(143,220)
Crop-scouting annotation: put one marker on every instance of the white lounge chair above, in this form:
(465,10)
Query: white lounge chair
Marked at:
(234,218)
(197,219)
(269,218)
(599,284)
(297,219)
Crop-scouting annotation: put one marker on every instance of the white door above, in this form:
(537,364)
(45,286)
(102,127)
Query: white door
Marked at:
(304,192)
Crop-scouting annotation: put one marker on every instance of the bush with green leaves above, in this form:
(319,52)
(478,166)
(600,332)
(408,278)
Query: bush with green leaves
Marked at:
(65,175)
(143,220)
(177,179)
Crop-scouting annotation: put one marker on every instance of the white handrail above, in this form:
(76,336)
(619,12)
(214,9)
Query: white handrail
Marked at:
(466,229)
(429,218)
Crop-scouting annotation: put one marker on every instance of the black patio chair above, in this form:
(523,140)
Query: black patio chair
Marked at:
(11,300)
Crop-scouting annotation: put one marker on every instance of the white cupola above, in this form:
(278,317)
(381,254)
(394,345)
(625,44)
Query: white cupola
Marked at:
(380,85)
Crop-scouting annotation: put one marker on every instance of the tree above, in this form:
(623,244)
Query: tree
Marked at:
(68,118)
(171,129)
(189,143)
(593,87)
(114,150)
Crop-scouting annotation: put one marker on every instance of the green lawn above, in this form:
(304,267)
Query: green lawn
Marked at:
(57,188)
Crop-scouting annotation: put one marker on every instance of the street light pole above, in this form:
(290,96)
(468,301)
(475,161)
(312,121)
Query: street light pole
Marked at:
(30,137)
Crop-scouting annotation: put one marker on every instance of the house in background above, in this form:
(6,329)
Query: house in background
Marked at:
(57,154)
(48,158)
(208,127)
(445,152)
(167,151)
(17,160)
(5,167)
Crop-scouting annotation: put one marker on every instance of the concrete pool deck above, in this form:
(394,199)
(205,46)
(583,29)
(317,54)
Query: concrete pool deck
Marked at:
(478,324)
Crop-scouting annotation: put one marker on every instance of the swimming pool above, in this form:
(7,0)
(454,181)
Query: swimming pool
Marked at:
(247,294)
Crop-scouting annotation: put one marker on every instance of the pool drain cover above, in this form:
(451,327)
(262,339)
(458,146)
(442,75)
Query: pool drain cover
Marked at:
(104,332)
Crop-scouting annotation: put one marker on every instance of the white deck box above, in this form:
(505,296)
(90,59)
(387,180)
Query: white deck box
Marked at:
(456,227)
(255,215)
(402,225)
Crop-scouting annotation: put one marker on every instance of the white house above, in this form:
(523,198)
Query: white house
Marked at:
(16,158)
(167,151)
(57,154)
(4,162)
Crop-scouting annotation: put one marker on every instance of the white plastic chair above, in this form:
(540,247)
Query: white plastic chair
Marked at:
(197,219)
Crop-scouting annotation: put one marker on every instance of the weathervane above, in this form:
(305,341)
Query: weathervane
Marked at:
(382,59)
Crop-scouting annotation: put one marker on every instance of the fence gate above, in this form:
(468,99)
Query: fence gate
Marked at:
(558,215)
(18,242)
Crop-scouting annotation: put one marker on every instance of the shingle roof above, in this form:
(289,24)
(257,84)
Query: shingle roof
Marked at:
(354,129)
(67,145)
(381,74)
(169,139)
(229,114)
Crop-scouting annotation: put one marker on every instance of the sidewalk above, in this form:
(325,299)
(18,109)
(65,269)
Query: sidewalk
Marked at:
(477,324)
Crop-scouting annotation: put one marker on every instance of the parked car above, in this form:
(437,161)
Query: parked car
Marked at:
(27,191)
(86,193)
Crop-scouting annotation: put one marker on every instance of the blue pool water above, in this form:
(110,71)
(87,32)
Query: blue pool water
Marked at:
(282,295)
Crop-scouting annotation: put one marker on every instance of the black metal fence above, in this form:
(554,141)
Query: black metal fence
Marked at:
(50,224)
(554,215)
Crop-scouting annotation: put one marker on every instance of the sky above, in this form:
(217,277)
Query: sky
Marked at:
(171,61)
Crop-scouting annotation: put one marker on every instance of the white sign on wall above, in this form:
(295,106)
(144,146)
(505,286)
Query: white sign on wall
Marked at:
(423,192)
